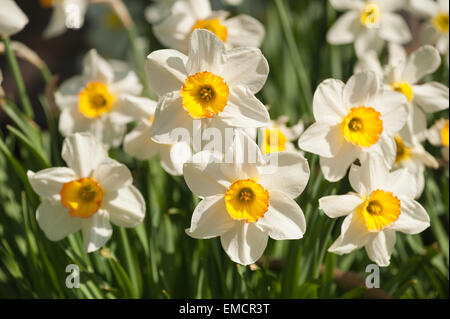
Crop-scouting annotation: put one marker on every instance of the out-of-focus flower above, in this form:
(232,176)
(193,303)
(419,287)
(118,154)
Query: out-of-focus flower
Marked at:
(189,15)
(67,14)
(382,204)
(138,143)
(158,11)
(435,30)
(233,2)
(212,84)
(415,158)
(404,74)
(92,191)
(368,23)
(353,120)
(12,18)
(438,136)
(277,137)
(94,101)
(246,201)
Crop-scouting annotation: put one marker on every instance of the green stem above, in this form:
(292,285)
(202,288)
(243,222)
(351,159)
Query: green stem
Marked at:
(24,100)
(295,55)
(139,58)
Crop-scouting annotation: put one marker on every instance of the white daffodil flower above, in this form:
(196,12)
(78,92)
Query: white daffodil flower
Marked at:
(246,201)
(368,23)
(212,84)
(277,137)
(12,18)
(353,120)
(91,192)
(94,100)
(382,204)
(67,14)
(404,74)
(189,15)
(415,158)
(438,136)
(138,143)
(233,2)
(435,30)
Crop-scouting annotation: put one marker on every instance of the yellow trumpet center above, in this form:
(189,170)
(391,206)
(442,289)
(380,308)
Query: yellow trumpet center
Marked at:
(47,3)
(380,210)
(273,140)
(403,151)
(83,197)
(444,134)
(440,22)
(214,26)
(246,199)
(112,21)
(204,95)
(362,126)
(95,99)
(404,88)
(370,15)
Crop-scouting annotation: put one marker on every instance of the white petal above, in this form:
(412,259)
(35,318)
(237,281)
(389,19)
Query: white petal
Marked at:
(57,23)
(392,106)
(210,219)
(170,117)
(244,109)
(48,182)
(343,5)
(344,29)
(394,29)
(244,31)
(284,218)
(431,97)
(12,18)
(415,128)
(55,220)
(200,8)
(354,235)
(128,84)
(112,175)
(434,133)
(339,205)
(402,183)
(204,176)
(413,218)
(166,71)
(380,248)
(389,5)
(244,243)
(110,133)
(424,8)
(95,68)
(206,53)
(361,88)
(247,67)
(71,120)
(328,105)
(385,147)
(369,62)
(125,206)
(368,40)
(83,153)
(96,231)
(371,175)
(322,139)
(138,143)
(174,156)
(289,173)
(134,108)
(397,54)
(335,168)
(421,62)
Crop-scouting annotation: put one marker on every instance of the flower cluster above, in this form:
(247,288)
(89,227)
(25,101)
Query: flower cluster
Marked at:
(207,124)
